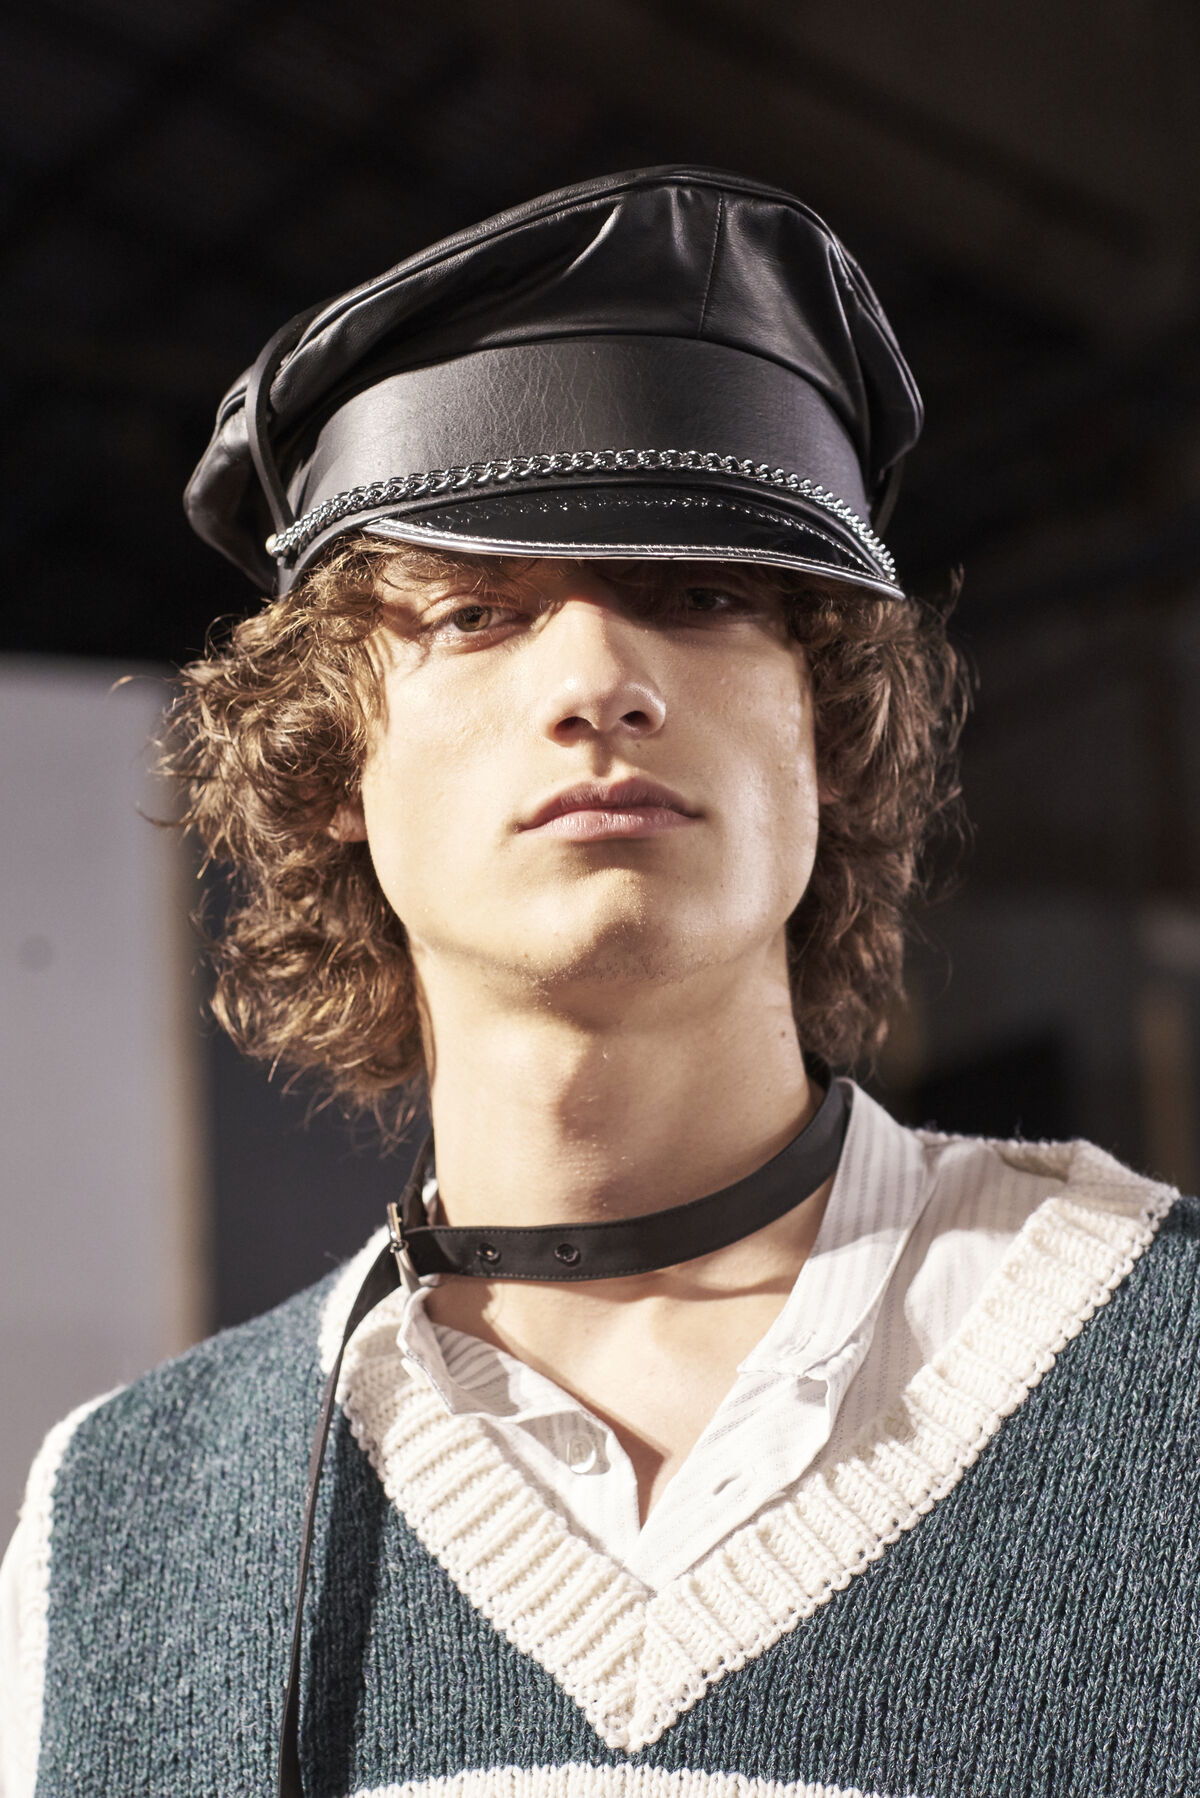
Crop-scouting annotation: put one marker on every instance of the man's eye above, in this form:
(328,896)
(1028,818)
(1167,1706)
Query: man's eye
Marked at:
(491,619)
(710,599)
(472,620)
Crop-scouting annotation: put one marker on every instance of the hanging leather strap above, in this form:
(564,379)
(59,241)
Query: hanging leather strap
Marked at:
(382,1279)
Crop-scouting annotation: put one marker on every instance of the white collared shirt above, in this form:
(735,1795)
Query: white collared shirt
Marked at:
(914,1226)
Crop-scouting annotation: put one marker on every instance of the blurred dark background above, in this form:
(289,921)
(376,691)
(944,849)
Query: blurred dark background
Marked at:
(1021,185)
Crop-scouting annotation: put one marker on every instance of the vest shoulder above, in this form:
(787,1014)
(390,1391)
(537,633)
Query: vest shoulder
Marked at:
(229,1387)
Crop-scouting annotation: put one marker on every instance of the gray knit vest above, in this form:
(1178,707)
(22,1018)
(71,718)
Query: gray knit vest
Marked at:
(1031,1628)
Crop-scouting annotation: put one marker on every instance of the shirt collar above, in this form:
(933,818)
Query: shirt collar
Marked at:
(503,1387)
(881,1187)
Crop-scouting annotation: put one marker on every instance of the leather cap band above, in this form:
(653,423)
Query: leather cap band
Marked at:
(583,393)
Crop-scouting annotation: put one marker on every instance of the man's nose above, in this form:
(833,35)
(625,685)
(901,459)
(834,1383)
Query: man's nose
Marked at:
(595,673)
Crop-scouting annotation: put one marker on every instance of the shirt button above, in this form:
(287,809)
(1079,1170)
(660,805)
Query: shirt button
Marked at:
(581,1454)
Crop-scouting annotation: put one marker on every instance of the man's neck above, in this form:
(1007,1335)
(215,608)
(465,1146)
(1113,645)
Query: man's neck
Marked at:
(543,1118)
(548,1115)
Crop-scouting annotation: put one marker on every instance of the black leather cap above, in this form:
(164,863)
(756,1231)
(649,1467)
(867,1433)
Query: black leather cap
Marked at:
(672,362)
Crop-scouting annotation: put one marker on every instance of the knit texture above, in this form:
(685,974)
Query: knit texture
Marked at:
(998,1593)
(634,1664)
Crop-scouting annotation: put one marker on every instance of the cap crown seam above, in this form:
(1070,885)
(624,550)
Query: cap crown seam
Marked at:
(712,264)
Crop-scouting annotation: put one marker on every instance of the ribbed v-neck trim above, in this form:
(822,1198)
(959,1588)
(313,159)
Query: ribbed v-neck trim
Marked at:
(635,1663)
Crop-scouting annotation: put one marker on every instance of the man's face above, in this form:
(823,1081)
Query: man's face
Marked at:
(495,795)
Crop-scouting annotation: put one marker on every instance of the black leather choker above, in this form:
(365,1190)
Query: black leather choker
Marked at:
(637,1245)
(627,1246)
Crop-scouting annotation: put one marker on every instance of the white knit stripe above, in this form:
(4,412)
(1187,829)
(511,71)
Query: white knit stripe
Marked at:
(27,1564)
(511,1556)
(577,1781)
(635,1664)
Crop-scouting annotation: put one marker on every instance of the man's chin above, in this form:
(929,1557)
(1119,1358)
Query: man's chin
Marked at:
(632,961)
(606,954)
(592,938)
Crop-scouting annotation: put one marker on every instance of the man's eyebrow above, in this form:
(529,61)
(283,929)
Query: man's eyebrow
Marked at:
(417,589)
(448,576)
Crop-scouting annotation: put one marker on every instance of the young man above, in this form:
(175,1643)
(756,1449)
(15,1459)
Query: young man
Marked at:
(700,1430)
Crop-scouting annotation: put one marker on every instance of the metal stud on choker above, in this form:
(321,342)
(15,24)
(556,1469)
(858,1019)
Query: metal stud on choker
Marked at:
(637,1245)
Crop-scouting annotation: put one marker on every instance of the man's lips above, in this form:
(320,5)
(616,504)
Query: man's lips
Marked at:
(623,808)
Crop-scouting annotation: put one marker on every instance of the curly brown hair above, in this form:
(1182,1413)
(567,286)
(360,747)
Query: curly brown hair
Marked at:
(271,729)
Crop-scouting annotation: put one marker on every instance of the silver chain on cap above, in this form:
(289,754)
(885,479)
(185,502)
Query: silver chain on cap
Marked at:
(438,481)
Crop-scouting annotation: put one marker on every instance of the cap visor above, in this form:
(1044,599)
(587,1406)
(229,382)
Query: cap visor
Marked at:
(629,521)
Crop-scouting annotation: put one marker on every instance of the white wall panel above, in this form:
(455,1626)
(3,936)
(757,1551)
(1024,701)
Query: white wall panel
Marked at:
(102,1182)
